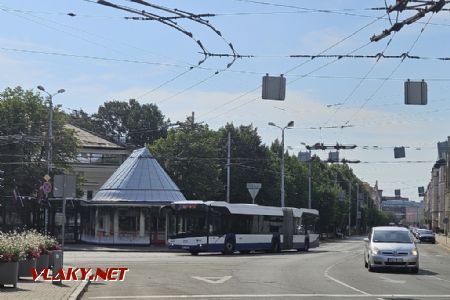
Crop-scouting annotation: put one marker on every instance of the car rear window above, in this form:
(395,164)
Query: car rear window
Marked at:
(391,236)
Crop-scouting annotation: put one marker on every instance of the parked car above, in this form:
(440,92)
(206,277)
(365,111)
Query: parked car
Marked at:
(392,247)
(425,235)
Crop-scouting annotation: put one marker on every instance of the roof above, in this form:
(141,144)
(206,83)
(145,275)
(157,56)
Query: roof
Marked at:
(391,228)
(90,140)
(140,179)
(250,209)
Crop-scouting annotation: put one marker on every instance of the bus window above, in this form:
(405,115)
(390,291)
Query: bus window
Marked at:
(217,222)
(272,224)
(309,222)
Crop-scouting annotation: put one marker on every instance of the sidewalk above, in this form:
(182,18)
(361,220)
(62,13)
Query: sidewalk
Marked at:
(442,241)
(116,248)
(42,290)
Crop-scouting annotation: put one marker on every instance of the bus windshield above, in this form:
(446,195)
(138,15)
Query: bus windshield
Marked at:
(189,222)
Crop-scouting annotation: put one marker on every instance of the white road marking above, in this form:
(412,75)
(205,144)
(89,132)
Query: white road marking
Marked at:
(392,280)
(437,278)
(213,279)
(340,282)
(344,296)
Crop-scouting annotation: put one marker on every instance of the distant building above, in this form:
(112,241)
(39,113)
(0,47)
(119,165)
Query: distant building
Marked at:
(405,211)
(375,194)
(437,194)
(96,161)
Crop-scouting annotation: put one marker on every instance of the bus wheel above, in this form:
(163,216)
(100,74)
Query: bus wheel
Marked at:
(194,252)
(229,247)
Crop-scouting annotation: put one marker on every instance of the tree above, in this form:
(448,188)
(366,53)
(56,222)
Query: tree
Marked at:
(190,157)
(23,139)
(251,161)
(139,124)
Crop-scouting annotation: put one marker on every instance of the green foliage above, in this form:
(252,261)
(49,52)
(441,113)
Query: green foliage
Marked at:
(189,156)
(140,124)
(23,128)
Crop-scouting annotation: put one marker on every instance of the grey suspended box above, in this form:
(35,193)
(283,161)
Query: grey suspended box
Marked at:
(333,156)
(421,191)
(397,193)
(416,92)
(399,152)
(273,87)
(304,156)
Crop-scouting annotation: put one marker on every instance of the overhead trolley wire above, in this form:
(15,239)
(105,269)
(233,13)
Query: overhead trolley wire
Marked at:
(358,85)
(390,75)
(290,70)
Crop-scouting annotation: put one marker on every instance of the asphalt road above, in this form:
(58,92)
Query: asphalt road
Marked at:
(335,270)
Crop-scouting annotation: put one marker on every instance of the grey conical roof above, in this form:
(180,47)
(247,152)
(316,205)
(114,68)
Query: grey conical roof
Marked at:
(139,179)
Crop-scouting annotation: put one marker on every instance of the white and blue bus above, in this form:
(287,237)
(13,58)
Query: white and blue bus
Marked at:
(214,226)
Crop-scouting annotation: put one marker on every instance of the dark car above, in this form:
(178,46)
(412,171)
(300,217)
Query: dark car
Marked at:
(425,235)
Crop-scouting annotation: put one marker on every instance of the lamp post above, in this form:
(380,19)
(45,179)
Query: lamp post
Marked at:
(289,125)
(50,125)
(309,174)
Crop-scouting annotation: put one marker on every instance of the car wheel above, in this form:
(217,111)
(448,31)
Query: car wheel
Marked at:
(369,267)
(415,270)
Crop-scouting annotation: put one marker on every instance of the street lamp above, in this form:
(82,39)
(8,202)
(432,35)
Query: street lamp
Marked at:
(309,174)
(289,125)
(50,125)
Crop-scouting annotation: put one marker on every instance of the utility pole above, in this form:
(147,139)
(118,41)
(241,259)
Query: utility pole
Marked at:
(349,205)
(228,167)
(289,125)
(357,207)
(309,179)
(193,120)
(50,126)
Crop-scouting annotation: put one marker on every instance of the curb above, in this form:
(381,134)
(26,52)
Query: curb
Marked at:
(79,291)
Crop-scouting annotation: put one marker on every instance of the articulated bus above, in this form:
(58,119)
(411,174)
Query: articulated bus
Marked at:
(214,226)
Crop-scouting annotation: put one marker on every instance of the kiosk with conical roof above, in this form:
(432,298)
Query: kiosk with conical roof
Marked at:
(126,209)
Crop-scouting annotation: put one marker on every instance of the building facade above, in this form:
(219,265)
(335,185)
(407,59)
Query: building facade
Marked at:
(437,194)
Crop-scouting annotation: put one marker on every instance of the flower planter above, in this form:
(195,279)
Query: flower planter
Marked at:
(42,263)
(25,267)
(9,273)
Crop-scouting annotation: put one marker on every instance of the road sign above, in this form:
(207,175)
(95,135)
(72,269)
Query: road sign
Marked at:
(65,186)
(47,177)
(47,187)
(253,189)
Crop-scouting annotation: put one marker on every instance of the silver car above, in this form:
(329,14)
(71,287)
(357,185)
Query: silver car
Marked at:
(391,247)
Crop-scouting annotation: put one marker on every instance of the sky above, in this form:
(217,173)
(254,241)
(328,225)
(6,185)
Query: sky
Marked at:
(98,55)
